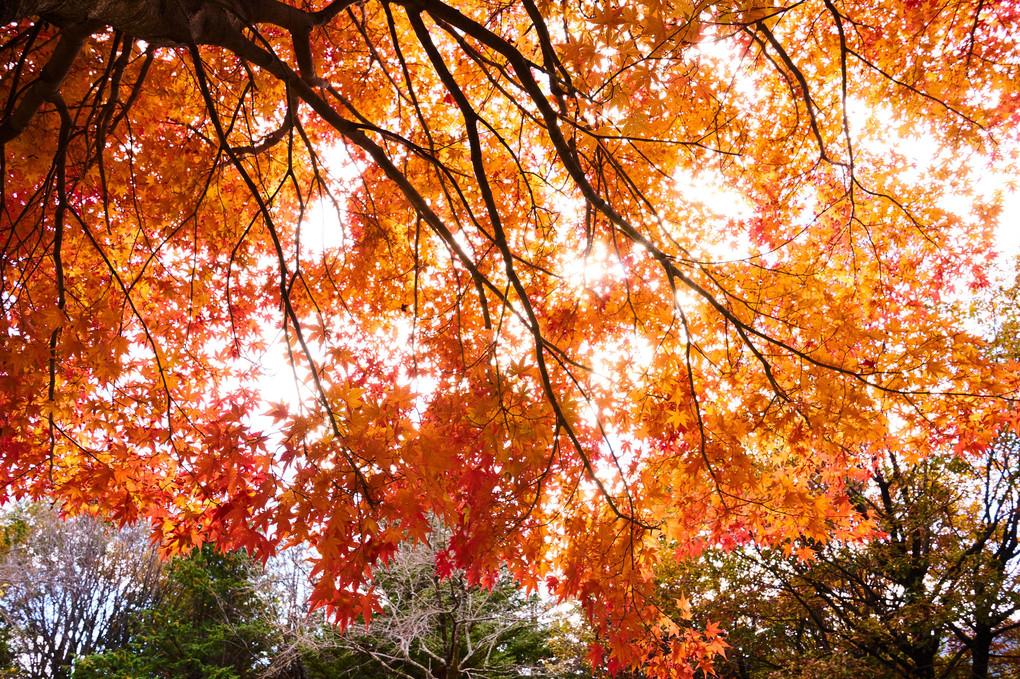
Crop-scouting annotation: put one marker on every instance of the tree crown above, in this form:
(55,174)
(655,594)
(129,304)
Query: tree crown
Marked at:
(533,321)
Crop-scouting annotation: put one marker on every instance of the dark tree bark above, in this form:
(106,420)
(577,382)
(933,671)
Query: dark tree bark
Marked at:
(980,651)
(160,23)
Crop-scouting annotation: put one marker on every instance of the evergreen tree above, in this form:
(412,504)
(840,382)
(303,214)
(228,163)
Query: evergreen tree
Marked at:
(211,624)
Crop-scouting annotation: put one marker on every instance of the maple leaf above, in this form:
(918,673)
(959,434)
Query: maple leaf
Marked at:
(278,411)
(684,606)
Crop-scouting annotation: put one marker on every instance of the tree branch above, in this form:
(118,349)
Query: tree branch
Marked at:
(49,81)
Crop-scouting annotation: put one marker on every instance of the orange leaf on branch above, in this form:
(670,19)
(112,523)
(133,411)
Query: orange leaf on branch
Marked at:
(594,286)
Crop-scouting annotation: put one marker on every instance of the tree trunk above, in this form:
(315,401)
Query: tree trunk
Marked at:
(980,651)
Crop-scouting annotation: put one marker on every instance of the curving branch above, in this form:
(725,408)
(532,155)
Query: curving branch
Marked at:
(47,85)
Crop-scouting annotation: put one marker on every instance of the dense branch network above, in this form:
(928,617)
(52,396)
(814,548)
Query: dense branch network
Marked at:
(517,142)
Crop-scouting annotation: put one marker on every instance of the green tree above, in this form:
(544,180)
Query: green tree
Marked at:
(211,624)
(8,658)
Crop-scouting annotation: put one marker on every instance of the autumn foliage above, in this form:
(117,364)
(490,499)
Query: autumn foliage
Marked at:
(601,284)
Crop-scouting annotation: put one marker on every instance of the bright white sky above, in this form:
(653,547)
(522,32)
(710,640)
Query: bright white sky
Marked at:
(1009,230)
(323,230)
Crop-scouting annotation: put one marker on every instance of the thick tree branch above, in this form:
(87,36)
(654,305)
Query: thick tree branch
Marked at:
(72,40)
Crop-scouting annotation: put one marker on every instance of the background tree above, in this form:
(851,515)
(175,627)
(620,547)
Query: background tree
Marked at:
(223,616)
(215,621)
(603,277)
(932,596)
(437,627)
(69,588)
(8,658)
(570,641)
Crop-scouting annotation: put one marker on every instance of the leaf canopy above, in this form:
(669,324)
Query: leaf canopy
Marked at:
(602,283)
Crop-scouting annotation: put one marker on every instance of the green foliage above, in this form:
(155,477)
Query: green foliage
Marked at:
(568,642)
(222,618)
(13,530)
(211,624)
(8,657)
